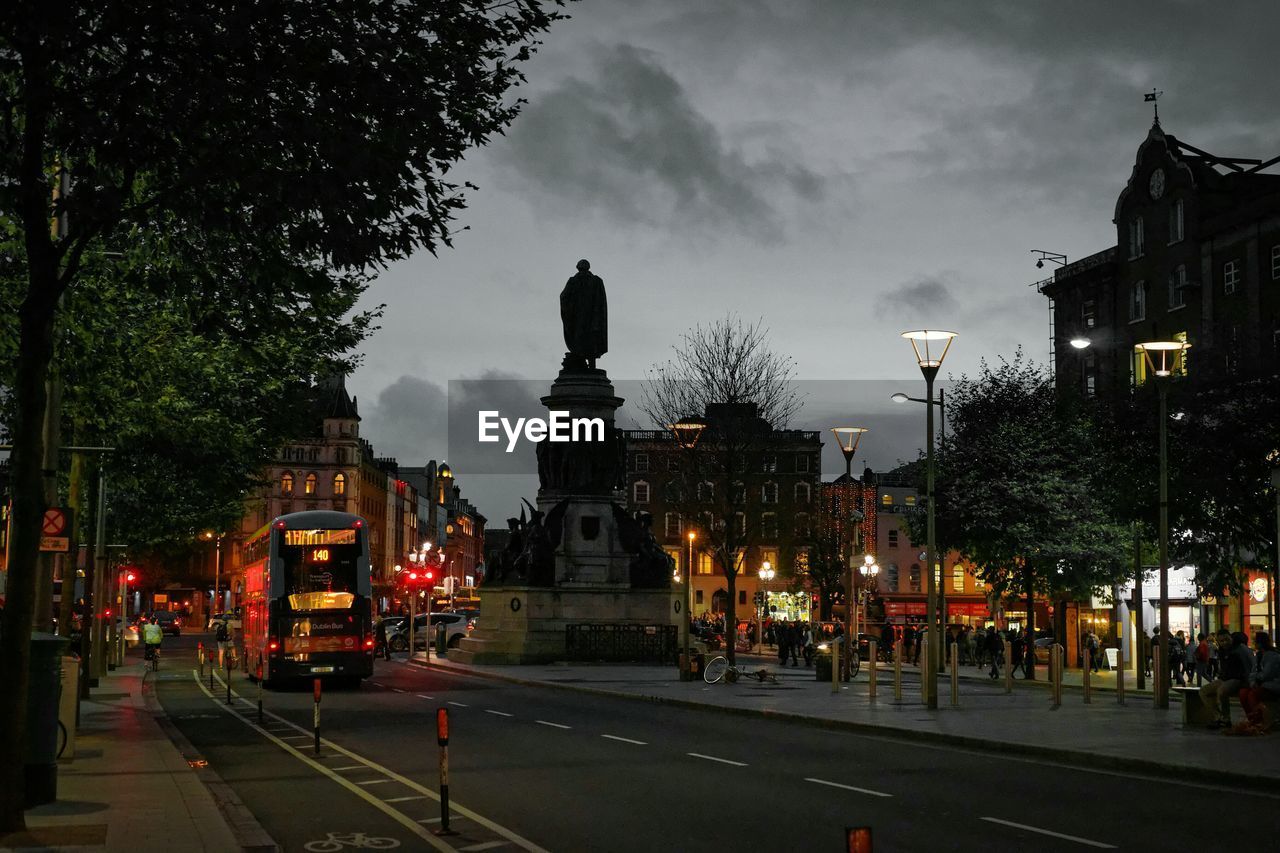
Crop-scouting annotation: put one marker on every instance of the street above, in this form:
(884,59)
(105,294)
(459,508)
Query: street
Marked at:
(542,769)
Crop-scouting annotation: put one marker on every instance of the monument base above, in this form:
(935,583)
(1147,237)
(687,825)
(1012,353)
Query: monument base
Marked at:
(526,625)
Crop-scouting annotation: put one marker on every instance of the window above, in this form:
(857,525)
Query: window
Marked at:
(642,462)
(740,523)
(802,463)
(1177,287)
(803,528)
(886,500)
(286,483)
(769,526)
(769,493)
(1175,222)
(672,492)
(742,596)
(706,565)
(803,493)
(1137,301)
(1089,313)
(1137,238)
(893,537)
(640,492)
(339,484)
(957,578)
(891,577)
(673,525)
(739,493)
(706,492)
(1230,277)
(309,484)
(915,577)
(1275,262)
(1090,375)
(697,596)
(769,463)
(910,500)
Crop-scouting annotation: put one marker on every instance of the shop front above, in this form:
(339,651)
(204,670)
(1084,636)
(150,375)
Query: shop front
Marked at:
(1259,615)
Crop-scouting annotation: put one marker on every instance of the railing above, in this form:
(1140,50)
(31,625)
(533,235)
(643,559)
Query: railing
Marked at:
(621,643)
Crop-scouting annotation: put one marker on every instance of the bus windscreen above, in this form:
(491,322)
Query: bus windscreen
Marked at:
(320,568)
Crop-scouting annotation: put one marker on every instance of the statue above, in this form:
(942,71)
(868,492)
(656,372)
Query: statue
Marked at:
(651,566)
(584,312)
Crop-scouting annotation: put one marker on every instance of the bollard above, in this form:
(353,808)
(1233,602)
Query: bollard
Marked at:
(1120,679)
(442,739)
(227,671)
(835,664)
(955,675)
(211,668)
(925,671)
(315,715)
(871,673)
(1008,667)
(1085,679)
(259,689)
(1157,681)
(200,658)
(1055,674)
(897,670)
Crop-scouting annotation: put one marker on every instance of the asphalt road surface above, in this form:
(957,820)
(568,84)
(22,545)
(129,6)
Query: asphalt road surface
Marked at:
(545,769)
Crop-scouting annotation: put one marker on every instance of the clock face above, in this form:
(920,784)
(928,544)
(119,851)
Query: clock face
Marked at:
(1156,186)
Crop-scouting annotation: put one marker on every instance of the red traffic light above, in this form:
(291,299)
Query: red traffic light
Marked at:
(130,577)
(413,576)
(428,576)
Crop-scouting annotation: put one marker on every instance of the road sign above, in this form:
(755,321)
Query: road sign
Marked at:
(54,527)
(55,543)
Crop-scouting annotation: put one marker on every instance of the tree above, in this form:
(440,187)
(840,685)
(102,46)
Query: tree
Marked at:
(1022,491)
(312,137)
(836,539)
(726,373)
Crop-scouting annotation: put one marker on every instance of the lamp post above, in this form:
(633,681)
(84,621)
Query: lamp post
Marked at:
(217,568)
(686,432)
(1163,359)
(869,569)
(418,558)
(931,348)
(767,574)
(1273,595)
(848,438)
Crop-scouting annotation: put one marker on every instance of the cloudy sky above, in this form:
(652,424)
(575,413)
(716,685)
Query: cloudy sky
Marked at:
(842,169)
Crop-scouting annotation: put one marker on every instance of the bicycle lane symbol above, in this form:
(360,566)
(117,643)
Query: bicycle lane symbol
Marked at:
(337,841)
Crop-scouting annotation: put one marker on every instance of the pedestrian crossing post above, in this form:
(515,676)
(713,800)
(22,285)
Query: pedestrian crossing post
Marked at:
(897,670)
(955,675)
(1120,679)
(315,714)
(871,674)
(1086,679)
(1006,658)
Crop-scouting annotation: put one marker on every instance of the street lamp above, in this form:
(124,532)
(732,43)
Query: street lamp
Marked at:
(931,346)
(217,567)
(1163,359)
(418,557)
(848,438)
(766,575)
(685,652)
(869,569)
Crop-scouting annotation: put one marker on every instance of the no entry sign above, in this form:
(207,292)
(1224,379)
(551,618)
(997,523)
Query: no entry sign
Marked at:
(54,530)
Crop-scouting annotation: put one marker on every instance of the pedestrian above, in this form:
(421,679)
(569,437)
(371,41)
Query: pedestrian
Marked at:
(1264,686)
(1189,651)
(887,638)
(992,647)
(793,641)
(1093,647)
(222,636)
(1175,644)
(1145,653)
(380,644)
(152,636)
(908,642)
(806,643)
(1235,663)
(922,634)
(784,644)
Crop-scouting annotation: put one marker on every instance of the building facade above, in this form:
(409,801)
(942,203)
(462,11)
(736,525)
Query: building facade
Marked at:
(449,521)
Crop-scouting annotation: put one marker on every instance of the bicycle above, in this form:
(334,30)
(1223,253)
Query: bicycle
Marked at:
(719,668)
(62,738)
(152,656)
(337,840)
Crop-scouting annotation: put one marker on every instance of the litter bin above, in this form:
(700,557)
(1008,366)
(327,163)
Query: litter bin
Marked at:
(822,666)
(696,663)
(44,689)
(442,644)
(1113,658)
(67,706)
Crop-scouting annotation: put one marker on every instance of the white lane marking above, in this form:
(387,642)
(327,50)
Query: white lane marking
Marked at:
(625,740)
(456,811)
(350,767)
(423,696)
(497,713)
(847,787)
(398,690)
(374,782)
(483,845)
(553,725)
(296,737)
(459,704)
(403,799)
(1077,839)
(713,758)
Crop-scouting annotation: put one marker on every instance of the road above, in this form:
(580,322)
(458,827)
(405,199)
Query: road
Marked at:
(546,769)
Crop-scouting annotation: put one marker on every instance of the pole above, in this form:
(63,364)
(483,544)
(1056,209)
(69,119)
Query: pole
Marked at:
(835,664)
(871,673)
(955,675)
(49,469)
(217,572)
(1006,659)
(442,740)
(1085,679)
(851,618)
(315,714)
(413,606)
(897,670)
(226,671)
(100,577)
(1120,680)
(1139,604)
(930,673)
(124,610)
(1162,678)
(259,689)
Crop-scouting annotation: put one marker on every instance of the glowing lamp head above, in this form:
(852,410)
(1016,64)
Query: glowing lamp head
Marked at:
(930,346)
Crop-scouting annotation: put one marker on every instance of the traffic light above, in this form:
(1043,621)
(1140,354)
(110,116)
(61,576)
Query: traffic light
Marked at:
(759,599)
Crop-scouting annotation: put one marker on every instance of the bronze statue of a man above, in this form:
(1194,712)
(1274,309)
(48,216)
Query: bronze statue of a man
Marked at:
(585,314)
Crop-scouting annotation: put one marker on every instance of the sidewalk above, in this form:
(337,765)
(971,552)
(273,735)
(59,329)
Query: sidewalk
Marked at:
(130,788)
(1135,737)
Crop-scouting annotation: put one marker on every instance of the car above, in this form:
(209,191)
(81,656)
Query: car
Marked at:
(455,630)
(169,622)
(1043,645)
(131,633)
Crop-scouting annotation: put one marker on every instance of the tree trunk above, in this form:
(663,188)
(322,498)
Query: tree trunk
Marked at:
(1029,655)
(34,357)
(731,615)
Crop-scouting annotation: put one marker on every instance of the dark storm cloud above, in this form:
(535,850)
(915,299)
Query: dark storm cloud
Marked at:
(927,296)
(407,422)
(629,143)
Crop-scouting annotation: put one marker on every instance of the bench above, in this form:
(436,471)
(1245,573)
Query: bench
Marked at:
(1194,711)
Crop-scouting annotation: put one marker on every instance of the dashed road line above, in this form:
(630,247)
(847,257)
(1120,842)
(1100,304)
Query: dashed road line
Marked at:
(374,782)
(459,704)
(626,740)
(498,713)
(423,696)
(713,758)
(553,725)
(483,845)
(405,799)
(350,767)
(1077,839)
(847,787)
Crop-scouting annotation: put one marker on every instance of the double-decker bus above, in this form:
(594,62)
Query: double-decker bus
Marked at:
(307,598)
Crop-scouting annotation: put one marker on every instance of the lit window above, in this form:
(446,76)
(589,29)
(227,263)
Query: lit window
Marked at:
(957,578)
(1177,287)
(886,500)
(1089,313)
(339,484)
(640,492)
(1137,238)
(1175,222)
(769,493)
(642,461)
(706,565)
(309,484)
(286,483)
(1230,277)
(910,500)
(915,577)
(740,523)
(1137,301)
(673,525)
(803,493)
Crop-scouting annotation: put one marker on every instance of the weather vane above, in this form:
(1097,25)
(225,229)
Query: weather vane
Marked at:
(1154,97)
